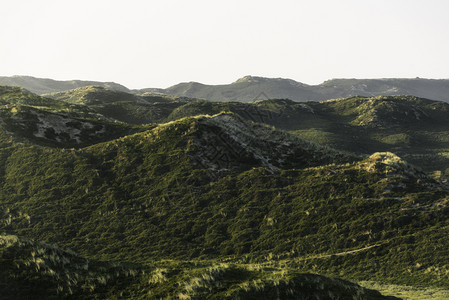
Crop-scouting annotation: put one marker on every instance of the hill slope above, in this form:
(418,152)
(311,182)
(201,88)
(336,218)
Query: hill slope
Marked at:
(415,128)
(26,117)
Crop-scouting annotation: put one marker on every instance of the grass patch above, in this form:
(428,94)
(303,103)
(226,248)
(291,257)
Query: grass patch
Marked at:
(407,292)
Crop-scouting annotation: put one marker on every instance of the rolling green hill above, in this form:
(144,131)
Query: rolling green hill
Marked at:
(416,129)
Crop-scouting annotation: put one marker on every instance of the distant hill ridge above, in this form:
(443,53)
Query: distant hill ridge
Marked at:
(44,85)
(250,88)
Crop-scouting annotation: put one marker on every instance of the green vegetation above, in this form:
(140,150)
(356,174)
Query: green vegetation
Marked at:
(408,292)
(232,204)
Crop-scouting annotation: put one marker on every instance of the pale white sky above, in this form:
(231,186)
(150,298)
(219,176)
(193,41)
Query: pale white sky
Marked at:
(146,43)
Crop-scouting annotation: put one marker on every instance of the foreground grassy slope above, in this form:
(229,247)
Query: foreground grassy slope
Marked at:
(38,270)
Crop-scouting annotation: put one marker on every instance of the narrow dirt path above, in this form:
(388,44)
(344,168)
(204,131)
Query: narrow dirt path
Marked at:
(340,253)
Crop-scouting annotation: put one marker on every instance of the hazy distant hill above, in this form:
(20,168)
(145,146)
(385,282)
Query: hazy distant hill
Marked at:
(251,88)
(44,86)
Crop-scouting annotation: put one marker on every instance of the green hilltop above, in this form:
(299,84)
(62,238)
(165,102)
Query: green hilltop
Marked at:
(229,200)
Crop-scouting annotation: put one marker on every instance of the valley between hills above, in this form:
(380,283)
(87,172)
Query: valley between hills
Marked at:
(112,194)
